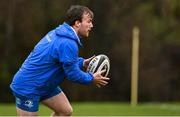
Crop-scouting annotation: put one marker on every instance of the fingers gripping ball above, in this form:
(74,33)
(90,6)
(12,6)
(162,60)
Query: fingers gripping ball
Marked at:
(99,63)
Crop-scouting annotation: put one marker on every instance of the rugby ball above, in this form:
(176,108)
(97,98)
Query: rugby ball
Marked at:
(99,63)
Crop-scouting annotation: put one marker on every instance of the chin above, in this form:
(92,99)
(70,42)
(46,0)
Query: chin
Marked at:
(85,36)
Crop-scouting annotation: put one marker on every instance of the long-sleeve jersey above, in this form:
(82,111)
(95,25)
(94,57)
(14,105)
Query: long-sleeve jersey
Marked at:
(54,58)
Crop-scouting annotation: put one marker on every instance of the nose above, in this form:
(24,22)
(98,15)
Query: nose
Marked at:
(91,25)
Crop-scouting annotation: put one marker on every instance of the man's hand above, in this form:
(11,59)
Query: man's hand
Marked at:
(87,61)
(99,80)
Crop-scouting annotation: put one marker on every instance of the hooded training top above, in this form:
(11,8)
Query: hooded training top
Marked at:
(54,58)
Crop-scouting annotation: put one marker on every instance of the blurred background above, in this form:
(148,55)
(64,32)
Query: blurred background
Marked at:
(24,22)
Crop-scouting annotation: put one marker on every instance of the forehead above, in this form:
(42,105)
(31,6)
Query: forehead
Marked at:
(87,16)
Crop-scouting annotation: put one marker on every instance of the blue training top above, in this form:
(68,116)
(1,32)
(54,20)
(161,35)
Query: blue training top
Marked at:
(54,58)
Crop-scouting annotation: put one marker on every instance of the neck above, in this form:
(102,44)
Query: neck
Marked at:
(75,30)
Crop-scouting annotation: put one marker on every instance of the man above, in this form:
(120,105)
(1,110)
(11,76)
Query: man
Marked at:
(54,58)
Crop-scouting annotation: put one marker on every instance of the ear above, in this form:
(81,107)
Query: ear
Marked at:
(77,23)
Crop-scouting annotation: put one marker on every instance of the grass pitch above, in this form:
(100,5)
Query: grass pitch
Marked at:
(107,109)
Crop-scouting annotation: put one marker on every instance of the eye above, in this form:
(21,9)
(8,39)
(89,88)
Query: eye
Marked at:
(90,21)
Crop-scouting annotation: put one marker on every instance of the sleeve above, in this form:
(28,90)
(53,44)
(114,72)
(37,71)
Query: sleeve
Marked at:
(80,61)
(71,63)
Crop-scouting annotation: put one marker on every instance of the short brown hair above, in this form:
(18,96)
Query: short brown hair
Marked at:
(75,12)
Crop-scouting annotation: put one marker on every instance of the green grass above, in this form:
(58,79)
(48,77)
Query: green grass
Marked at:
(107,109)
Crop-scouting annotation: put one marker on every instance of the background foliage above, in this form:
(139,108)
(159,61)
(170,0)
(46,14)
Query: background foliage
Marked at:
(23,23)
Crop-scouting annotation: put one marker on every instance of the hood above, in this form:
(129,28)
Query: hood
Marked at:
(67,31)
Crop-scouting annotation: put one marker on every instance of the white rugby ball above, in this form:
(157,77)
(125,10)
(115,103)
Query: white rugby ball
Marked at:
(99,63)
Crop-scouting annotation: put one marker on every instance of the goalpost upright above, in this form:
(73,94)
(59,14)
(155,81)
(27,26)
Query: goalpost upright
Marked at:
(134,66)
